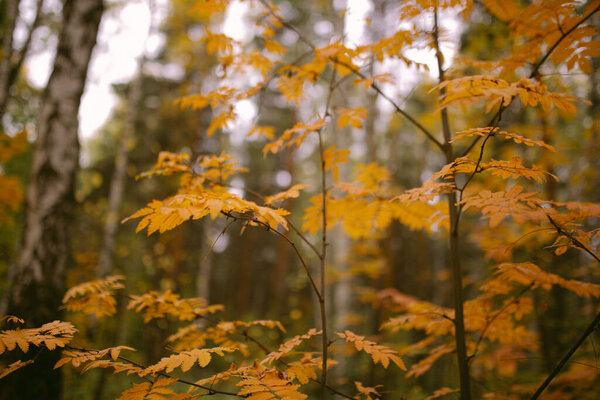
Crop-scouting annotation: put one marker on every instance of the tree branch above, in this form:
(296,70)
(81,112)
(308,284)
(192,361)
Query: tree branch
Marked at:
(496,315)
(356,72)
(281,235)
(453,239)
(590,328)
(535,71)
(211,391)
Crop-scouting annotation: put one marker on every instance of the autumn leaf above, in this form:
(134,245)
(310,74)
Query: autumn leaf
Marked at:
(291,193)
(332,158)
(379,354)
(289,345)
(95,297)
(351,116)
(186,360)
(441,393)
(13,367)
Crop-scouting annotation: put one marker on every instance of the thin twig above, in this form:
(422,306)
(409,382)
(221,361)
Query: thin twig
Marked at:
(537,66)
(536,69)
(288,25)
(137,364)
(591,327)
(261,198)
(397,108)
(356,72)
(496,315)
(491,133)
(267,351)
(281,235)
(212,246)
(560,230)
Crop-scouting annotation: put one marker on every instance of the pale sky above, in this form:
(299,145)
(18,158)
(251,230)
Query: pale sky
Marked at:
(125,30)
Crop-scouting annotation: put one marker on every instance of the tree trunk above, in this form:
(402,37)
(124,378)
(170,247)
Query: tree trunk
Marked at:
(9,20)
(119,177)
(37,279)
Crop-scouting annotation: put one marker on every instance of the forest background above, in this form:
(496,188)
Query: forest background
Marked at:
(451,149)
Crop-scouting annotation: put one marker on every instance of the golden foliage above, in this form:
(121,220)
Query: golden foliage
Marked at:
(231,326)
(291,193)
(380,78)
(215,98)
(351,116)
(441,393)
(11,193)
(95,297)
(167,164)
(332,158)
(379,354)
(530,274)
(289,345)
(266,131)
(496,206)
(196,335)
(51,335)
(12,146)
(426,363)
(496,132)
(186,360)
(159,305)
(260,383)
(540,24)
(80,357)
(303,370)
(366,392)
(495,91)
(217,169)
(294,136)
(165,215)
(365,207)
(218,43)
(156,390)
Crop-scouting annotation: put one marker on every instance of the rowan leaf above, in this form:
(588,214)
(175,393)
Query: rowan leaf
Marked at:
(379,354)
(291,193)
(351,116)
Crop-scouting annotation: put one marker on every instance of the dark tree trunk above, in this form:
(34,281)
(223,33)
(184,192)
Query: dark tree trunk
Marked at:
(37,279)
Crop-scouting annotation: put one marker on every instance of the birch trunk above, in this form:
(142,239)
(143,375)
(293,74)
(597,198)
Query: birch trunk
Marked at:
(11,13)
(37,278)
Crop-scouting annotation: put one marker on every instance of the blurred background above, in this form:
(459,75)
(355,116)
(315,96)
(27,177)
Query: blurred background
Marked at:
(149,53)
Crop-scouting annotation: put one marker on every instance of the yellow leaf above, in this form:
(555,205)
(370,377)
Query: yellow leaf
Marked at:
(13,367)
(379,354)
(291,193)
(351,116)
